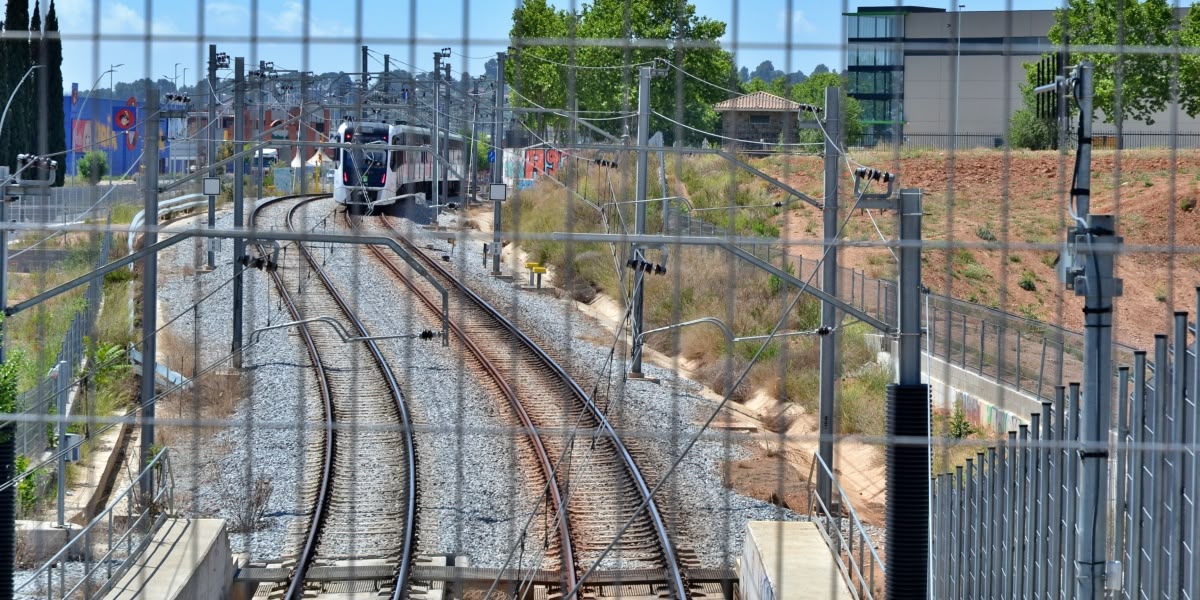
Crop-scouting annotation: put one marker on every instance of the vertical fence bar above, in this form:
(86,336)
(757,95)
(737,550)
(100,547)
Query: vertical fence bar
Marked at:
(982,333)
(980,550)
(964,341)
(956,543)
(1046,493)
(996,507)
(1020,509)
(1058,530)
(1072,496)
(1006,546)
(1018,375)
(971,530)
(1042,371)
(1122,501)
(1192,533)
(1172,478)
(1133,578)
(1032,500)
(1156,414)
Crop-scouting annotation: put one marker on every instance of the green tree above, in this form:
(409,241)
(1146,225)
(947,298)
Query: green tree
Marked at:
(812,91)
(1144,87)
(533,73)
(601,87)
(14,62)
(58,118)
(94,166)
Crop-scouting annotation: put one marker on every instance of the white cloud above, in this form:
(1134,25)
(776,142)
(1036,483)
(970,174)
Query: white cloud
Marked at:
(800,22)
(226,13)
(289,20)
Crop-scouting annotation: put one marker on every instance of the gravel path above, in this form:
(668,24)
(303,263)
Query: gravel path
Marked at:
(260,449)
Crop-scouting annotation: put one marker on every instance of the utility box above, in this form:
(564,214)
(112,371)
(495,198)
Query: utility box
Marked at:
(71,444)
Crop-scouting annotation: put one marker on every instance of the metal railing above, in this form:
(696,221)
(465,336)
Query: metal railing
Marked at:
(966,141)
(110,542)
(844,533)
(37,401)
(1028,355)
(1004,523)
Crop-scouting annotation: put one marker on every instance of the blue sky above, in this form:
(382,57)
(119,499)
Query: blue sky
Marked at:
(761,32)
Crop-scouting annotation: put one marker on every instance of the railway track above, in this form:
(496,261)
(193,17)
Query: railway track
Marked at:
(363,520)
(591,473)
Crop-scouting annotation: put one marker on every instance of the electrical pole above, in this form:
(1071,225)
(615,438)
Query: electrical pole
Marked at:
(907,421)
(435,135)
(212,145)
(261,167)
(8,430)
(239,244)
(362,91)
(387,74)
(497,166)
(149,283)
(469,165)
(829,283)
(639,219)
(300,133)
(448,127)
(1093,279)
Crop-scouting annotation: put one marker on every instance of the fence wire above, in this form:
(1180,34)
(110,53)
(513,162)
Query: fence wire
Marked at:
(568,472)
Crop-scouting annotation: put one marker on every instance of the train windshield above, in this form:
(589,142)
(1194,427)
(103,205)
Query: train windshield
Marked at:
(373,156)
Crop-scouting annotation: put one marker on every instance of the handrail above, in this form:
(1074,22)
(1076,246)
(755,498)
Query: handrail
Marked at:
(160,465)
(861,584)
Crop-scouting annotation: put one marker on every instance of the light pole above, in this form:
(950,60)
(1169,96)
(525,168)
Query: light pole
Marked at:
(111,91)
(79,111)
(4,115)
(957,69)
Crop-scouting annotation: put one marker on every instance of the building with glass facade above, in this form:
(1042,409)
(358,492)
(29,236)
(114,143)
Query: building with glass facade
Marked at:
(932,76)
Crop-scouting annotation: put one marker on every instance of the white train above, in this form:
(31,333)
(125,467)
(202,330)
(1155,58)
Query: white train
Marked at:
(363,177)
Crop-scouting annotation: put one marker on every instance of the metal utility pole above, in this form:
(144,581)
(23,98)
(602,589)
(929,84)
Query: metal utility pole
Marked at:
(300,132)
(149,283)
(497,166)
(435,135)
(261,167)
(907,422)
(239,244)
(471,161)
(830,346)
(639,219)
(1092,277)
(8,431)
(387,74)
(212,144)
(448,127)
(362,90)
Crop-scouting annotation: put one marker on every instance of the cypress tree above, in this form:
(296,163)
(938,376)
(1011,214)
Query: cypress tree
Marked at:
(58,118)
(17,132)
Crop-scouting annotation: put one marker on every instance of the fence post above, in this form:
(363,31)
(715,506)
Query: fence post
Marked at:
(62,373)
(982,333)
(1018,376)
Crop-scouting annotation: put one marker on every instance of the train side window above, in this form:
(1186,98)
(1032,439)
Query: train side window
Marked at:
(397,155)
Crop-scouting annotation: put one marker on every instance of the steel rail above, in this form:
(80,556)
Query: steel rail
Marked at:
(295,587)
(679,589)
(564,530)
(404,568)
(410,526)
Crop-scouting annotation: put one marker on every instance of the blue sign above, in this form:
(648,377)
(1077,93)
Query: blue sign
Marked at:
(491,155)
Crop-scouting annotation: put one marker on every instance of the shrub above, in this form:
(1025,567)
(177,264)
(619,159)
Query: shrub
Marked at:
(1028,281)
(1187,203)
(976,271)
(93,166)
(1026,130)
(960,427)
(985,233)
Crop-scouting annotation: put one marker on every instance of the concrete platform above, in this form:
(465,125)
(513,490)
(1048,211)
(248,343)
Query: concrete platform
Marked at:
(787,560)
(188,559)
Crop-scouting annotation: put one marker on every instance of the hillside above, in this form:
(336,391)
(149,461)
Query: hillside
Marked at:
(1018,199)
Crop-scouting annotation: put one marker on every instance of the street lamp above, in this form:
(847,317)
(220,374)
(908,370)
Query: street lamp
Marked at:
(111,92)
(957,68)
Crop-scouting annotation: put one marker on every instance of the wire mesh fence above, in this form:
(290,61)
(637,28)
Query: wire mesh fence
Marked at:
(669,375)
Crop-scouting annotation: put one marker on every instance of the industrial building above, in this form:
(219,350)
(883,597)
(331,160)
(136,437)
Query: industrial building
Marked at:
(929,76)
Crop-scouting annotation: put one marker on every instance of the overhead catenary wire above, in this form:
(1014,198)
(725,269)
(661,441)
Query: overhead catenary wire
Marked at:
(731,139)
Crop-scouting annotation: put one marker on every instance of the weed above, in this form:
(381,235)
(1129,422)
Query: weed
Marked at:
(1013,258)
(862,403)
(976,272)
(960,427)
(1187,203)
(1160,294)
(250,517)
(1028,281)
(984,232)
(962,257)
(1050,259)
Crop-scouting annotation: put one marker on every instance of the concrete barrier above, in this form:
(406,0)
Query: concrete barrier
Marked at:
(188,559)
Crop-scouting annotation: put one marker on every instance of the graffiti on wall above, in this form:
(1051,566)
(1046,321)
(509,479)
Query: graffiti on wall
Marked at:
(524,165)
